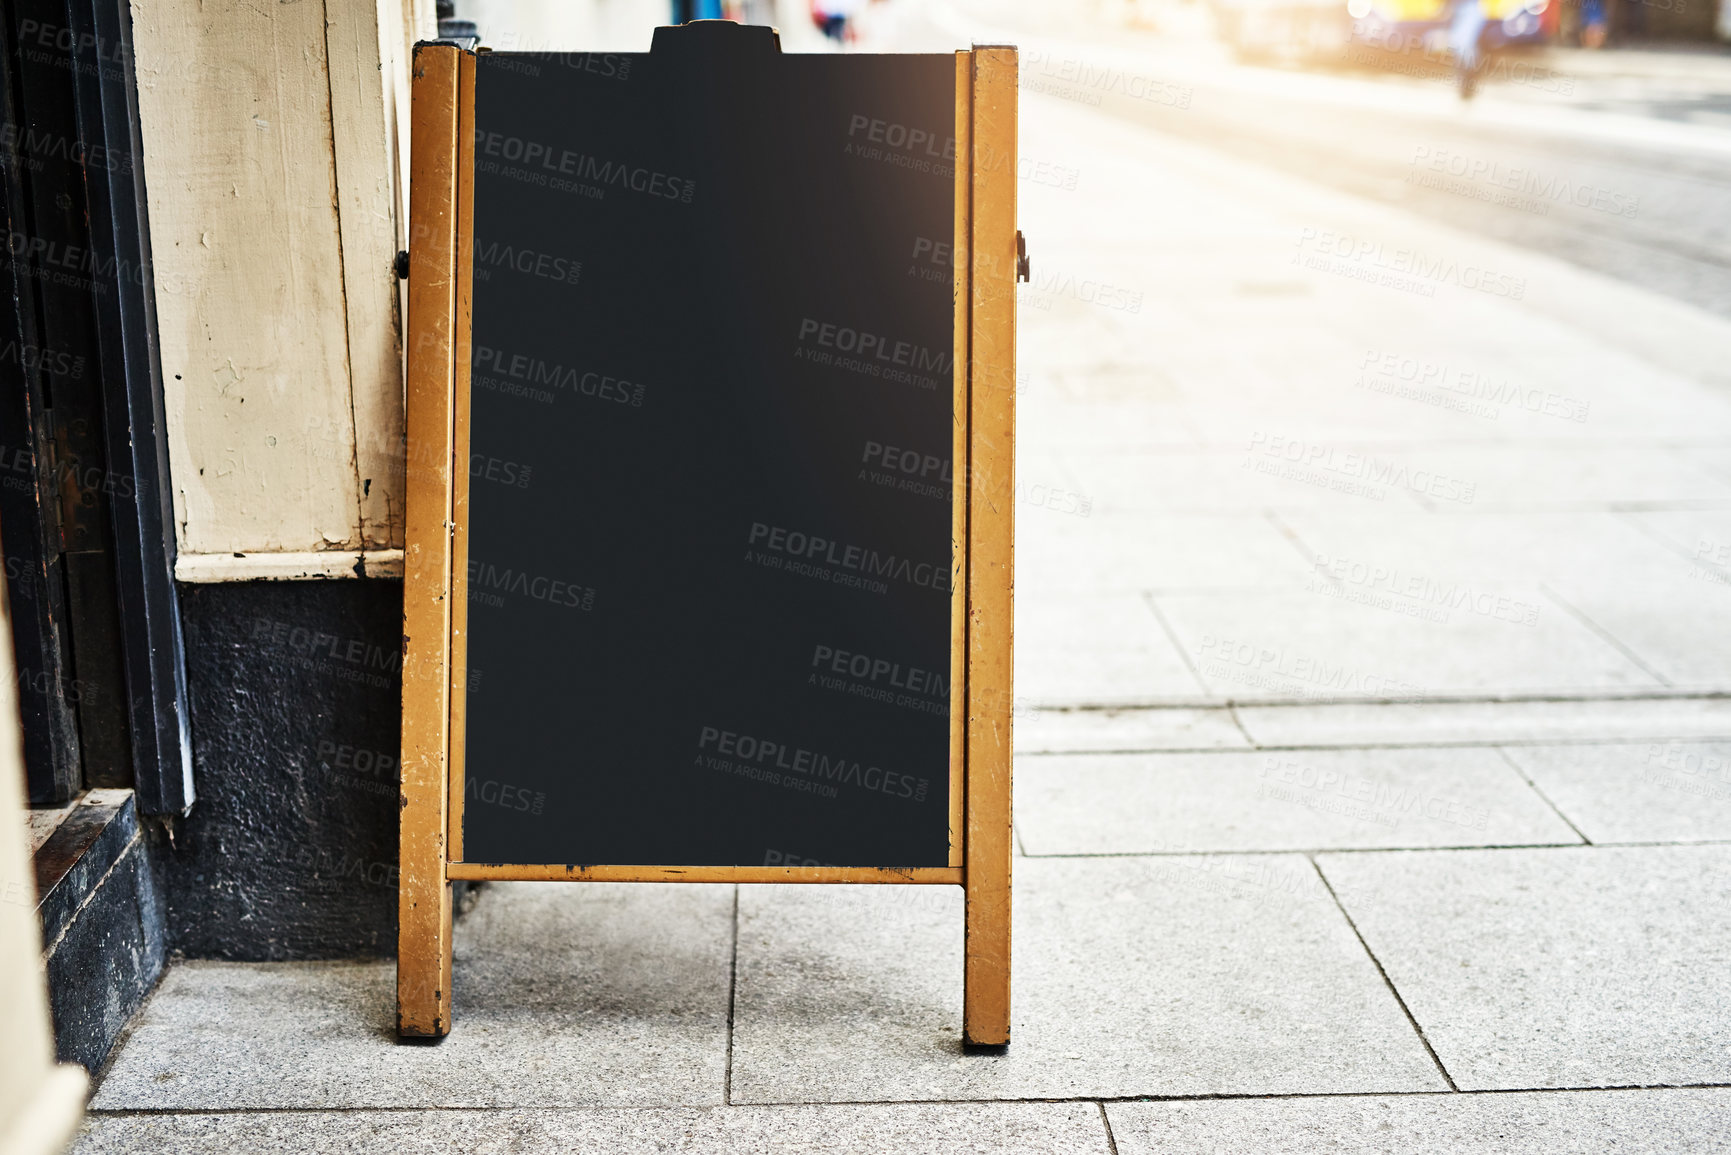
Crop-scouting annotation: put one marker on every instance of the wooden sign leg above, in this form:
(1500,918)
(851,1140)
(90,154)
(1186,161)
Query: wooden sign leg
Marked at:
(424,896)
(991,531)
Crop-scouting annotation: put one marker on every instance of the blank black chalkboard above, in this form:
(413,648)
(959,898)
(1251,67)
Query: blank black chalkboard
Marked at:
(710,427)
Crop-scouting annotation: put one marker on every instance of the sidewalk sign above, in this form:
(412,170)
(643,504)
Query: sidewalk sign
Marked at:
(721,342)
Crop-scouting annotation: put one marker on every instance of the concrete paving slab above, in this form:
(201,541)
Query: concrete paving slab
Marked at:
(1662,622)
(565,994)
(1662,1122)
(1125,677)
(1362,412)
(1637,792)
(1096,650)
(1415,724)
(1122,428)
(1551,392)
(1221,481)
(1441,558)
(1123,401)
(1332,401)
(1318,644)
(1286,800)
(1084,623)
(1698,539)
(1068,731)
(1133,552)
(1588,967)
(1538,475)
(998,1128)
(1176,976)
(1704,451)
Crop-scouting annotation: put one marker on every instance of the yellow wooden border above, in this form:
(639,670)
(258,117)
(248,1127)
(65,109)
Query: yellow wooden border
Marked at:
(927,875)
(423,896)
(464,357)
(959,469)
(991,544)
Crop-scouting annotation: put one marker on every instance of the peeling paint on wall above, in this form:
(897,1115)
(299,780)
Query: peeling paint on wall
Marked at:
(276,159)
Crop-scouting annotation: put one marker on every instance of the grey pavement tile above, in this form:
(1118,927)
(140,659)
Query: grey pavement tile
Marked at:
(1107,552)
(1171,976)
(1422,723)
(1038,731)
(1112,418)
(1511,395)
(1663,622)
(1637,792)
(1129,676)
(1222,481)
(1105,649)
(1043,476)
(1650,1122)
(1700,539)
(1714,453)
(1125,401)
(1252,646)
(1340,406)
(1536,474)
(1123,429)
(1590,393)
(1444,557)
(1087,622)
(918,1129)
(565,994)
(1580,967)
(1285,800)
(1392,421)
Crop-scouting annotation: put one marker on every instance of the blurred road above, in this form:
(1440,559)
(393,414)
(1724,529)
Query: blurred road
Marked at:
(1618,161)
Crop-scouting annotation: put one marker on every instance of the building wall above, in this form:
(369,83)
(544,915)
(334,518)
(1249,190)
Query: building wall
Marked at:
(296,691)
(275,142)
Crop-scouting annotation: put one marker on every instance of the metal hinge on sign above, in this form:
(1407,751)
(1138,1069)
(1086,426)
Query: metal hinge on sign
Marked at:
(1021,257)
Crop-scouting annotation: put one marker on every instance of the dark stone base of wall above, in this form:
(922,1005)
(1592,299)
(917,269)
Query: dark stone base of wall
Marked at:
(104,922)
(291,849)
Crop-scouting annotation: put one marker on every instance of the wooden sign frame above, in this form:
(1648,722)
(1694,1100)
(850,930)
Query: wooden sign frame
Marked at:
(436,551)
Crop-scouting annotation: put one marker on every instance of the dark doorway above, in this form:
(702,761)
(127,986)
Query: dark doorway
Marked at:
(86,524)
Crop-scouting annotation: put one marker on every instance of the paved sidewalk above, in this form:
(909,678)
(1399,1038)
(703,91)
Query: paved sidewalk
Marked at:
(1374,759)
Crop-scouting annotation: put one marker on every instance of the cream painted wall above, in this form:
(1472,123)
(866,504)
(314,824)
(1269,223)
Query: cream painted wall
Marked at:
(275,152)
